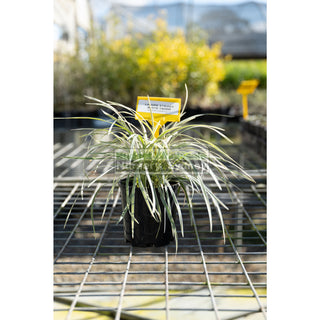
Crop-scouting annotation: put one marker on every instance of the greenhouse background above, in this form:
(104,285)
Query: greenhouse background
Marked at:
(241,27)
(113,50)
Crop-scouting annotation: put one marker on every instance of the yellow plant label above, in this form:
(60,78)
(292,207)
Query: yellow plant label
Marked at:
(159,110)
(247,86)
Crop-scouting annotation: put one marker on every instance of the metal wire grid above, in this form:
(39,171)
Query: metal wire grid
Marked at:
(99,274)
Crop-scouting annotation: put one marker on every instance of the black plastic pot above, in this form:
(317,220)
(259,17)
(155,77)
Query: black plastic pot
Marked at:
(148,232)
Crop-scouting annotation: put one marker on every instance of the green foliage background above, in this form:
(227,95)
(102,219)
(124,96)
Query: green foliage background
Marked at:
(238,70)
(122,68)
(160,64)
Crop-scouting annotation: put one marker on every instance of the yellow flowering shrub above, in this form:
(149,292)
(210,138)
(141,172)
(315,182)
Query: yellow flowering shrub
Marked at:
(159,64)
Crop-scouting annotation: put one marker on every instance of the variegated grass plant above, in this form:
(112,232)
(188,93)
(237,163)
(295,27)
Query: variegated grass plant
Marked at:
(152,163)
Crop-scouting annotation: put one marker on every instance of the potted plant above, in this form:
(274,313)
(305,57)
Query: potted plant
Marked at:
(151,170)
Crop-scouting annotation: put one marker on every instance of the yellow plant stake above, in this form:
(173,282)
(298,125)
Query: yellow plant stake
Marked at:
(158,111)
(246,87)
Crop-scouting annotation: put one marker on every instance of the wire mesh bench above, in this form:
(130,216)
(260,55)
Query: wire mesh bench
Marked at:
(99,275)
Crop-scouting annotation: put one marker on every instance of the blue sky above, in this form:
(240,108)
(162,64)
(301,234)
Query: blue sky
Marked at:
(100,7)
(104,3)
(144,2)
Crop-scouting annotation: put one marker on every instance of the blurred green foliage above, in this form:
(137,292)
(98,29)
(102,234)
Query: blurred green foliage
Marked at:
(120,69)
(159,64)
(238,70)
(70,81)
